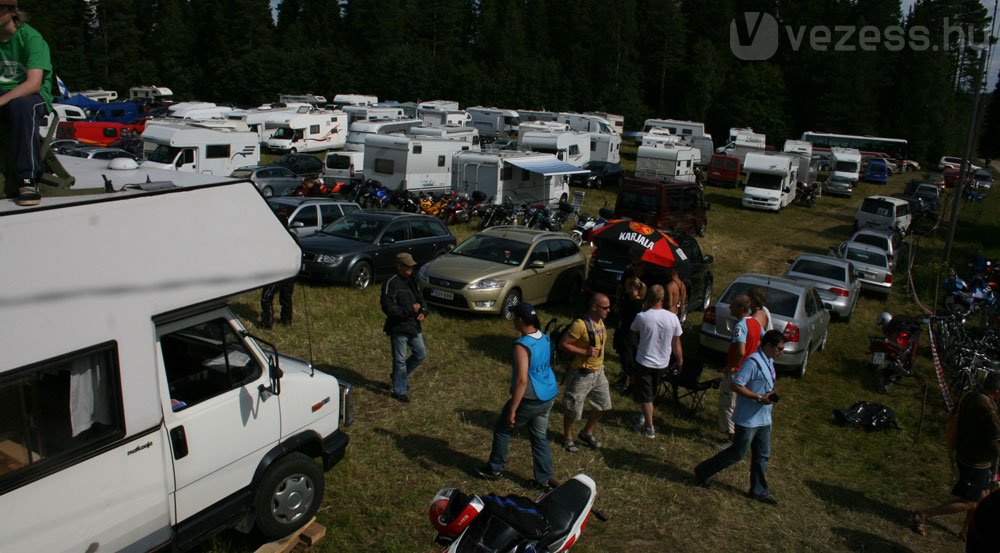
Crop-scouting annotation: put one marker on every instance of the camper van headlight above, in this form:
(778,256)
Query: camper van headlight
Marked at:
(487,284)
(329,259)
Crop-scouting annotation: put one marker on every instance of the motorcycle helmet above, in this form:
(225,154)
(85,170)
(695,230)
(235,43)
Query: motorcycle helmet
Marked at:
(884,318)
(451,511)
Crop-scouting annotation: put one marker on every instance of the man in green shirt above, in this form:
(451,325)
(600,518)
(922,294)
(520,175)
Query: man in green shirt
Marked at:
(25,95)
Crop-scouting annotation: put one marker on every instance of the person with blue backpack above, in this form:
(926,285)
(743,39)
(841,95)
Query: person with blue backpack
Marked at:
(533,390)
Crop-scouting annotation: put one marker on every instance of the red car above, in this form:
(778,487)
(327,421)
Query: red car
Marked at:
(950,177)
(97,133)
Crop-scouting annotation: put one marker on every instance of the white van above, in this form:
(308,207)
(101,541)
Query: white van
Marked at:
(770,181)
(197,149)
(137,412)
(315,131)
(658,162)
(884,212)
(845,163)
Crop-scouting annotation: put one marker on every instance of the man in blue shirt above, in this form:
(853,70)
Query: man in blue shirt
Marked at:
(754,388)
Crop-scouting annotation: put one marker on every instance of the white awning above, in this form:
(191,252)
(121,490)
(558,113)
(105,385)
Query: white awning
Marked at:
(547,166)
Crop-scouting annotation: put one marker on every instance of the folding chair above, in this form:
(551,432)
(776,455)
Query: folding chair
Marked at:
(688,384)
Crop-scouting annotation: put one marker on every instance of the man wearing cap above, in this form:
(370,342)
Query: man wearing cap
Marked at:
(25,95)
(404,310)
(533,390)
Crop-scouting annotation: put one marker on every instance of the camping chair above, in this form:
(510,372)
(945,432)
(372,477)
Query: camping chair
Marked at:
(687,384)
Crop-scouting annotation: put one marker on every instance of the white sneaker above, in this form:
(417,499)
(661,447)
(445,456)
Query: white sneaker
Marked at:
(649,432)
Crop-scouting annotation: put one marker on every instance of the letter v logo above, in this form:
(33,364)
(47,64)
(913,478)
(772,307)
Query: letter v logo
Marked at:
(755,38)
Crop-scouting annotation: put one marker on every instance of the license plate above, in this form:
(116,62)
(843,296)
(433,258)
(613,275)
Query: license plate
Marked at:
(442,294)
(878,358)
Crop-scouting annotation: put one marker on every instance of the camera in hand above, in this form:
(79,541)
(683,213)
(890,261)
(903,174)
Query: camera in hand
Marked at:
(774,397)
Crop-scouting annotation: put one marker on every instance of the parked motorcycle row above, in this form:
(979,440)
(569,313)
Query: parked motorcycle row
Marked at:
(451,207)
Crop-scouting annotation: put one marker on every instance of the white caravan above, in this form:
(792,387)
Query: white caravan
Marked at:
(845,163)
(540,126)
(410,163)
(197,149)
(606,147)
(535,116)
(571,147)
(315,131)
(801,151)
(744,144)
(494,122)
(101,95)
(770,182)
(446,105)
(617,121)
(505,175)
(736,132)
(341,100)
(149,92)
(660,162)
(360,130)
(586,123)
(311,99)
(468,135)
(444,117)
(373,113)
(659,137)
(686,130)
(138,412)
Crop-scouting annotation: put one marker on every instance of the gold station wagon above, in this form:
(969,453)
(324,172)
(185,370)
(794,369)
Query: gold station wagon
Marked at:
(494,270)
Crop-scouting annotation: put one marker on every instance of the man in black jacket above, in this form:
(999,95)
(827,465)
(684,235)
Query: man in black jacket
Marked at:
(404,310)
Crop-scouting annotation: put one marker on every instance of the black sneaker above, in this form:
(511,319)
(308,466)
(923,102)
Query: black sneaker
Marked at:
(547,486)
(402,398)
(765,499)
(486,474)
(28,195)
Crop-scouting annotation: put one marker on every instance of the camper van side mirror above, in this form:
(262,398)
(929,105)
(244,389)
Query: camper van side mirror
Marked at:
(274,371)
(788,189)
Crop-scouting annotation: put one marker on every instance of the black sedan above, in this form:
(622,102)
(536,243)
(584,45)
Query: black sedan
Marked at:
(602,173)
(361,247)
(303,165)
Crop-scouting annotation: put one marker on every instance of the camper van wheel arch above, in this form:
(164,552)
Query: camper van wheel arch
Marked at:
(288,495)
(360,275)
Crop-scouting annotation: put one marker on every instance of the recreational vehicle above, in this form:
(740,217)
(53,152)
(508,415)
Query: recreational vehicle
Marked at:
(845,163)
(443,117)
(101,95)
(617,121)
(138,412)
(468,135)
(311,99)
(373,113)
(409,163)
(64,112)
(198,111)
(198,150)
(770,182)
(341,100)
(264,121)
(149,93)
(494,122)
(363,129)
(534,116)
(571,147)
(586,123)
(676,162)
(315,131)
(540,126)
(445,105)
(606,147)
(801,152)
(744,144)
(513,176)
(344,166)
(686,130)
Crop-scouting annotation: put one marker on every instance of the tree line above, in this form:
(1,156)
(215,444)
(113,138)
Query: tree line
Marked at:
(639,58)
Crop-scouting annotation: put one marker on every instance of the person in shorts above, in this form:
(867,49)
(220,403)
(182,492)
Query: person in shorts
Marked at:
(659,332)
(746,337)
(585,378)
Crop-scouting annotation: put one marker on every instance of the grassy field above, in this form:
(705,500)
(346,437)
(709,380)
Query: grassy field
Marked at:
(839,489)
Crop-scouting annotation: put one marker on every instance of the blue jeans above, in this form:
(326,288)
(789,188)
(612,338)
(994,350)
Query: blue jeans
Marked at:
(757,440)
(402,365)
(535,414)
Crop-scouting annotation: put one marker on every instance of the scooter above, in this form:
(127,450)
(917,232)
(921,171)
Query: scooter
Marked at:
(895,350)
(554,522)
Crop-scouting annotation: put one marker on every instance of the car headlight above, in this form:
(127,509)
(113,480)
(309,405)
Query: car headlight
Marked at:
(329,259)
(422,272)
(488,284)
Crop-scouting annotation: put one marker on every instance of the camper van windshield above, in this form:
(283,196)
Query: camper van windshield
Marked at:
(287,133)
(164,154)
(846,167)
(764,181)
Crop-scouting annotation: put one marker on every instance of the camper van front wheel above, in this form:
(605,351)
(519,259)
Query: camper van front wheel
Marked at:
(289,495)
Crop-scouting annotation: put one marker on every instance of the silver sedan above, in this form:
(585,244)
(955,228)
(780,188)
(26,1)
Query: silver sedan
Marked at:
(836,280)
(871,262)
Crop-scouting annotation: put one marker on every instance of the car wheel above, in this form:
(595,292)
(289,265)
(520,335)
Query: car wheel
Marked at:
(599,183)
(288,496)
(361,275)
(267,191)
(564,197)
(513,298)
(293,151)
(800,371)
(706,297)
(576,236)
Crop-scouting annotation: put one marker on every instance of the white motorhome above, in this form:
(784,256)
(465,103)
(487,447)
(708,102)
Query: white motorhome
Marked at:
(744,144)
(138,413)
(311,99)
(505,175)
(444,117)
(586,123)
(373,113)
(198,111)
(341,100)
(494,122)
(468,135)
(736,132)
(360,130)
(540,126)
(660,137)
(315,131)
(606,147)
(617,121)
(263,120)
(571,147)
(149,92)
(410,163)
(845,163)
(770,181)
(446,105)
(659,162)
(101,95)
(198,150)
(686,130)
(65,112)
(801,151)
(534,116)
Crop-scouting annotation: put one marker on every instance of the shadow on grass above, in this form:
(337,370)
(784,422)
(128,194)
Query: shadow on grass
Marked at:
(245,313)
(857,540)
(355,378)
(495,346)
(718,198)
(854,500)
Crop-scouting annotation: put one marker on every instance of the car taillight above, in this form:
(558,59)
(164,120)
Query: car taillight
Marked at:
(791,333)
(709,317)
(840,292)
(888,278)
(890,258)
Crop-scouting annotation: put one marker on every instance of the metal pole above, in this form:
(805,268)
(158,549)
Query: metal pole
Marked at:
(966,160)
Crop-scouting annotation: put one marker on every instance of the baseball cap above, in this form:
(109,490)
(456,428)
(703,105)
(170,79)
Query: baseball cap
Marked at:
(401,258)
(526,312)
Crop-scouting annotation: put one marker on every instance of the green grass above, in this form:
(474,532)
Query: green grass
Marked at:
(840,489)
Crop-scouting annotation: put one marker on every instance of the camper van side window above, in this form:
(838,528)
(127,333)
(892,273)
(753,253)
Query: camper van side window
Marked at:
(384,166)
(574,150)
(204,361)
(440,161)
(418,148)
(57,412)
(313,129)
(217,151)
(593,146)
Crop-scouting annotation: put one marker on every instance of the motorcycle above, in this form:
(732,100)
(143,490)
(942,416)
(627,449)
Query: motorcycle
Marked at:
(806,194)
(962,297)
(404,201)
(894,352)
(587,223)
(489,523)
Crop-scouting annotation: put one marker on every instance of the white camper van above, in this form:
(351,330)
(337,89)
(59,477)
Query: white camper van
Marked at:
(444,117)
(409,163)
(606,147)
(468,135)
(309,132)
(198,150)
(571,147)
(801,152)
(744,144)
(658,162)
(65,112)
(445,105)
(586,123)
(505,175)
(344,166)
(138,413)
(341,100)
(311,99)
(770,182)
(149,92)
(617,121)
(198,111)
(845,163)
(361,130)
(686,130)
(494,122)
(373,113)
(264,121)
(736,132)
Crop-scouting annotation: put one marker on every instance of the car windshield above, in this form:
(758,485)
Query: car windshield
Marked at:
(873,240)
(163,154)
(493,248)
(355,228)
(779,302)
(764,181)
(866,257)
(820,269)
(846,167)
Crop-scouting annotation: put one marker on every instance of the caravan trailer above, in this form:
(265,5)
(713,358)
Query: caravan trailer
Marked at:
(676,162)
(468,135)
(373,113)
(139,413)
(606,147)
(494,122)
(198,150)
(341,100)
(505,175)
(410,163)
(315,131)
(149,93)
(686,130)
(360,130)
(570,146)
(311,99)
(444,117)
